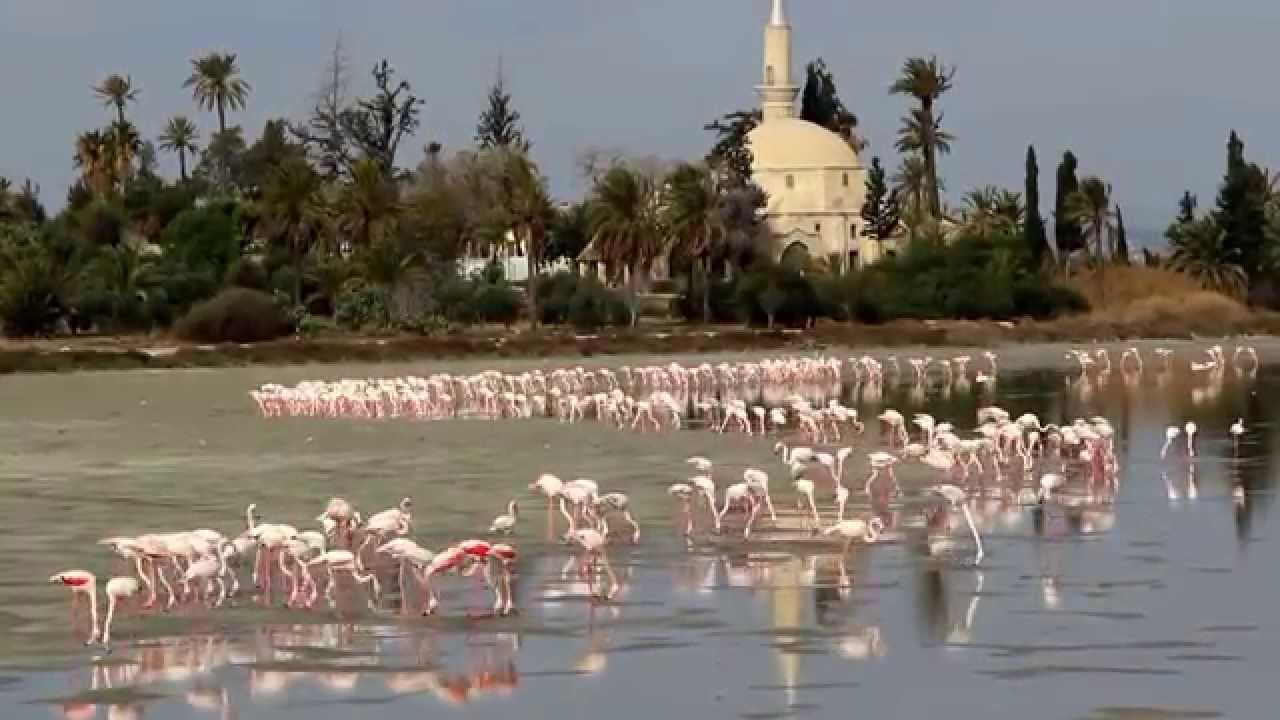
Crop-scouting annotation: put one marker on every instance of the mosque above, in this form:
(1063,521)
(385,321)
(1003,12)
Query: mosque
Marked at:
(815,180)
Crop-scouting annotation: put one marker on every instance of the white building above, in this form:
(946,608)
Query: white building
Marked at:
(815,180)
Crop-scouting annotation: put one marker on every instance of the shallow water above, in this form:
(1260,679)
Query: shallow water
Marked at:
(1144,607)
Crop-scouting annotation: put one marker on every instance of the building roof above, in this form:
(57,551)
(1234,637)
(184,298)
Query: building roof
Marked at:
(795,144)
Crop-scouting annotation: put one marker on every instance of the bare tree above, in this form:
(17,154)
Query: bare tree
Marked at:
(323,134)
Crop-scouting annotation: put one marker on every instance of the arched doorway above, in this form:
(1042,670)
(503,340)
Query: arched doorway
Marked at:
(796,256)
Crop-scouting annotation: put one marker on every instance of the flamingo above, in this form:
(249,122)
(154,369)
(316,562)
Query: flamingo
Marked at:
(1171,434)
(1190,430)
(856,529)
(805,489)
(958,498)
(118,589)
(1050,483)
(346,562)
(1237,430)
(707,487)
(550,486)
(685,494)
(505,524)
(740,495)
(881,461)
(405,552)
(81,583)
(593,544)
(760,480)
(617,503)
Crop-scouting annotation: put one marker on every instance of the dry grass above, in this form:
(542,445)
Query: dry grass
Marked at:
(1114,287)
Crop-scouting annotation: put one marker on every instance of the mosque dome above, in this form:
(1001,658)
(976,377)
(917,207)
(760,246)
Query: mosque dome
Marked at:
(795,144)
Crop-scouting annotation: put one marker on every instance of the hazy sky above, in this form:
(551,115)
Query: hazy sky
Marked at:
(1144,91)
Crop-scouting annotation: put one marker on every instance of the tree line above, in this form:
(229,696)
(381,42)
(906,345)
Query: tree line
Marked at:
(348,219)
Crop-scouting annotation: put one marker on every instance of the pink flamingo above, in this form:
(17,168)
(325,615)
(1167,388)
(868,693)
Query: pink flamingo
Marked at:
(118,589)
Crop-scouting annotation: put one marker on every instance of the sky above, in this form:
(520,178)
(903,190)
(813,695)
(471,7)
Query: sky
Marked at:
(1143,91)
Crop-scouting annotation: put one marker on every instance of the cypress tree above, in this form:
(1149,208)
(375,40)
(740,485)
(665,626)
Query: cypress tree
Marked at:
(1122,241)
(1033,229)
(1066,233)
(1186,208)
(880,212)
(1241,212)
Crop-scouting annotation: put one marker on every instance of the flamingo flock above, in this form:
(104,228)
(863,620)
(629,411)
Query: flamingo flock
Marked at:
(993,457)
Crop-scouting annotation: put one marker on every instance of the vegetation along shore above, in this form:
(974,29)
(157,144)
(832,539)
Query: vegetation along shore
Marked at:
(326,239)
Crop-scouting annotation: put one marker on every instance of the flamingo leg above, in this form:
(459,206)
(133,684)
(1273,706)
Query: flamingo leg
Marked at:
(977,539)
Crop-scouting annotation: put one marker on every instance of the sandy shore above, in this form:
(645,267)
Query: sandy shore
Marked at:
(1026,344)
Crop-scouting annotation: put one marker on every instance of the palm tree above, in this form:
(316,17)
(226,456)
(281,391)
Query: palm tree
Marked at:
(180,136)
(529,210)
(911,182)
(695,218)
(991,210)
(626,227)
(117,91)
(123,144)
(292,205)
(127,276)
(216,84)
(926,81)
(1090,207)
(1199,250)
(367,203)
(93,158)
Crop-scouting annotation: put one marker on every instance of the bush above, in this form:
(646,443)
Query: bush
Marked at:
(314,325)
(235,315)
(555,293)
(972,278)
(455,299)
(778,293)
(594,306)
(31,298)
(204,239)
(497,303)
(361,306)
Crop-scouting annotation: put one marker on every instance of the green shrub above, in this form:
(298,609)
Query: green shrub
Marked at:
(361,306)
(455,299)
(315,325)
(783,295)
(497,303)
(555,293)
(31,296)
(235,315)
(204,239)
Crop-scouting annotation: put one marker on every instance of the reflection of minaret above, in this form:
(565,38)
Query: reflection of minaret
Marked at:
(784,610)
(777,91)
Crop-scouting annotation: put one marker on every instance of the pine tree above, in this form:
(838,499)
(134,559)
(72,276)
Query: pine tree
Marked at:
(1241,211)
(1033,229)
(880,211)
(1066,232)
(499,125)
(1122,241)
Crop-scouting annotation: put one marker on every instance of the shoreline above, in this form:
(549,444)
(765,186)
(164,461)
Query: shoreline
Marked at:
(75,354)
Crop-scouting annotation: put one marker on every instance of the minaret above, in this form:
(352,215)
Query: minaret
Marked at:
(777,91)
